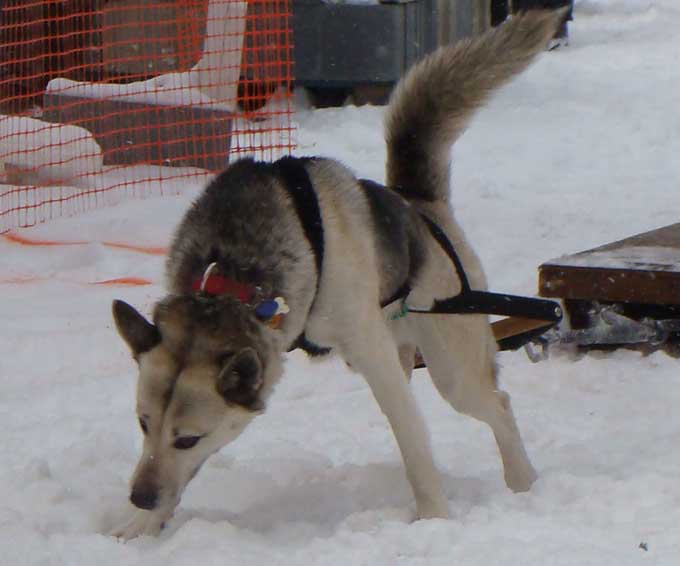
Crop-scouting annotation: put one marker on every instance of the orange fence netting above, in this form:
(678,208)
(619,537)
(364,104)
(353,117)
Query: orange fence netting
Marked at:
(106,99)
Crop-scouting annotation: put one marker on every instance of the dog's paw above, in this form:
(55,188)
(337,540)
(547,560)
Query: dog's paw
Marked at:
(147,523)
(520,480)
(434,509)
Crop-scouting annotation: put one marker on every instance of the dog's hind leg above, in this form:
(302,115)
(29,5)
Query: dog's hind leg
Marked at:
(378,361)
(459,352)
(407,356)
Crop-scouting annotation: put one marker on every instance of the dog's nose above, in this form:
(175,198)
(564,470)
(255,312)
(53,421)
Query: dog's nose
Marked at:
(144,498)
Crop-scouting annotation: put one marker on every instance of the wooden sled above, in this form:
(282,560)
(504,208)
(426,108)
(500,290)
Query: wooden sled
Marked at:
(625,293)
(511,333)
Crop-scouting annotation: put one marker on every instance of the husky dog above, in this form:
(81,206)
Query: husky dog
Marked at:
(300,253)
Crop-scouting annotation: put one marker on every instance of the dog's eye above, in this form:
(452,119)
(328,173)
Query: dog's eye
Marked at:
(143,426)
(186,442)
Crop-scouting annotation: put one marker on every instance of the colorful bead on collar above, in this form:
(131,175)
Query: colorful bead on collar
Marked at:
(268,311)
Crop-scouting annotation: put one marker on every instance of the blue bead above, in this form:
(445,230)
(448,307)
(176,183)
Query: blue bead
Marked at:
(266,309)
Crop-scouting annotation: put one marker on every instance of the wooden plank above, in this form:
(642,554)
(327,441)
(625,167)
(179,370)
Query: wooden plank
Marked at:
(140,37)
(24,49)
(514,325)
(43,40)
(76,34)
(191,23)
(644,268)
(130,132)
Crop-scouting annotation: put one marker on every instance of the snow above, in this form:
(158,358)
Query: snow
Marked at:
(580,151)
(628,257)
(42,150)
(113,185)
(171,89)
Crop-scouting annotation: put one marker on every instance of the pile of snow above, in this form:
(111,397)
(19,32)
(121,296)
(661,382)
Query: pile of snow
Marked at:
(35,151)
(171,89)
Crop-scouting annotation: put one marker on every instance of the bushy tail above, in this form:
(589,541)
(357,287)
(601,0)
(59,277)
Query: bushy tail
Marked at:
(433,103)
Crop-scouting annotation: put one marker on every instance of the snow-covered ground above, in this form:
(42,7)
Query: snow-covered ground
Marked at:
(581,150)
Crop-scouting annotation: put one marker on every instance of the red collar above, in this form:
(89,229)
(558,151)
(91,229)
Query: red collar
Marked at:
(269,311)
(215,284)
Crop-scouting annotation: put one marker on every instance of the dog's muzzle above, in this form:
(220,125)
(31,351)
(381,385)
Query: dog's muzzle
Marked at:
(144,498)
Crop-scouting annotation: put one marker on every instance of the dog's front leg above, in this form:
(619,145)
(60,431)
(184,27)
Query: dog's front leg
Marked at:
(377,360)
(141,523)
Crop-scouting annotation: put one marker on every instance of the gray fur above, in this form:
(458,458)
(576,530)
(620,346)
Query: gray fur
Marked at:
(217,332)
(139,334)
(397,229)
(266,246)
(216,363)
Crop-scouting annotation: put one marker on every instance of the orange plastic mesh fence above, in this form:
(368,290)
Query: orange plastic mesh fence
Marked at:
(105,99)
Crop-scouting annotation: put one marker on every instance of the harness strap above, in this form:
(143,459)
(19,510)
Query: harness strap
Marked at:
(399,295)
(447,246)
(296,180)
(441,238)
(486,302)
(469,301)
(293,173)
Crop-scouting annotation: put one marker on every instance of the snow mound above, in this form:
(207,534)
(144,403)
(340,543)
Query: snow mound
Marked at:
(38,151)
(172,89)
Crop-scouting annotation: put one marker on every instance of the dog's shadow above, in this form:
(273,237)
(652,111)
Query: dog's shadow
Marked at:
(321,499)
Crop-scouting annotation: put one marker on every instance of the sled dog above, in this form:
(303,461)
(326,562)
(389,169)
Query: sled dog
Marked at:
(301,253)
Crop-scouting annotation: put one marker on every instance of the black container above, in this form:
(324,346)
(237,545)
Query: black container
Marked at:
(366,48)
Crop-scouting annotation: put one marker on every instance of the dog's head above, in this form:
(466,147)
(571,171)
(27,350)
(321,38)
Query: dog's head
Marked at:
(206,365)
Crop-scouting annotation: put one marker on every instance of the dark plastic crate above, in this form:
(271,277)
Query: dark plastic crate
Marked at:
(343,46)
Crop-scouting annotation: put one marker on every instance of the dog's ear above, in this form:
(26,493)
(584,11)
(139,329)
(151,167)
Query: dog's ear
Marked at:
(240,380)
(138,332)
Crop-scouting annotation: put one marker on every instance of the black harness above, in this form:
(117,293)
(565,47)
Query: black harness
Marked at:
(470,301)
(293,173)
